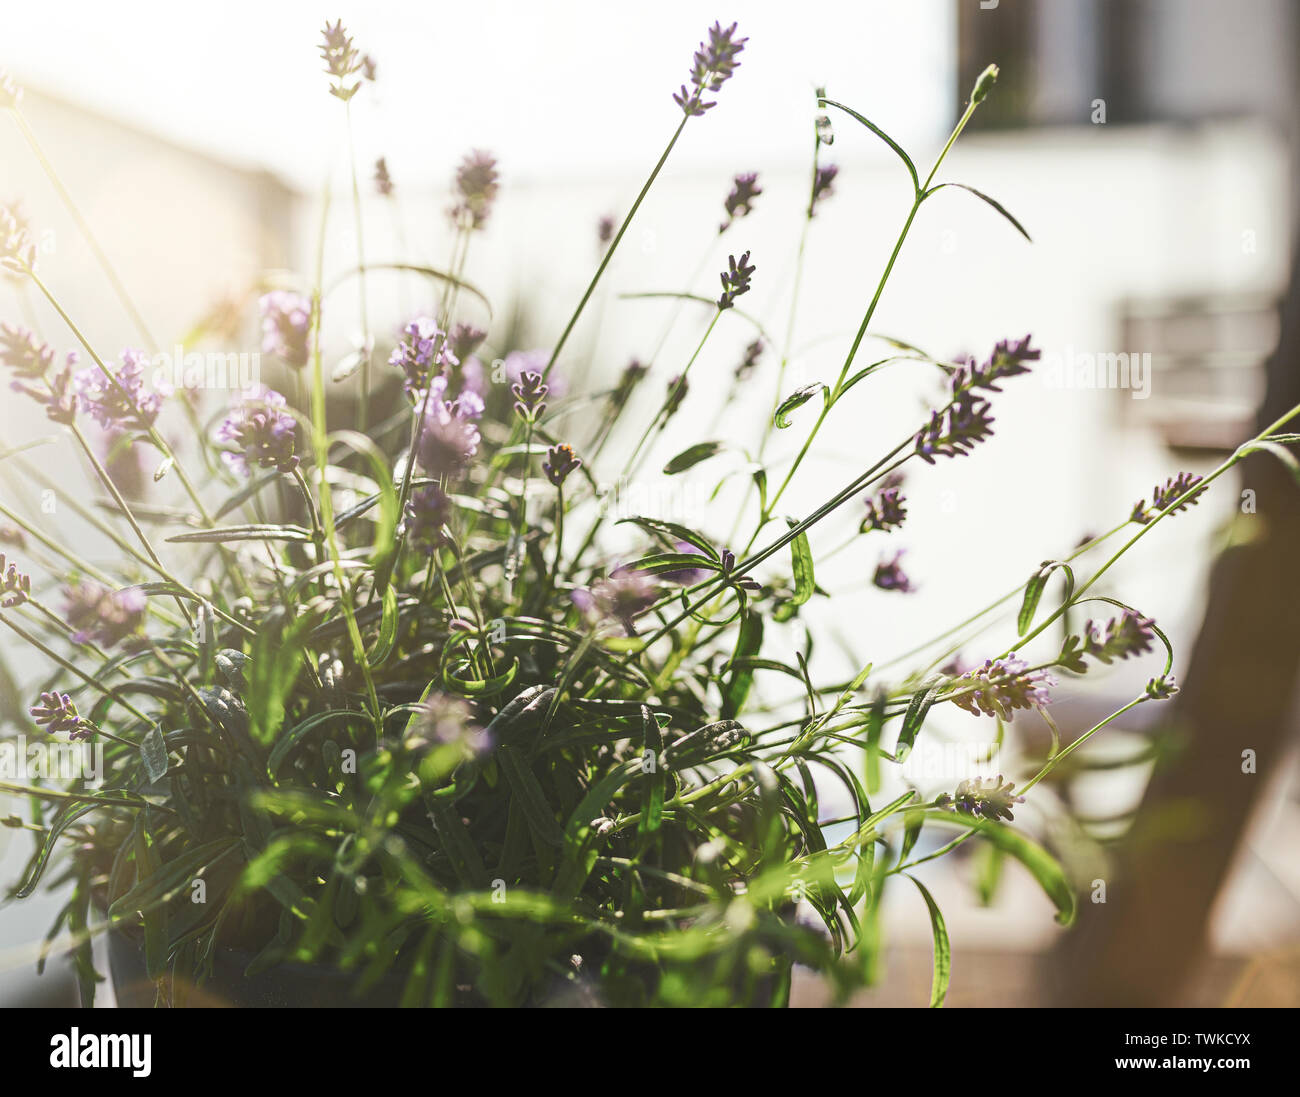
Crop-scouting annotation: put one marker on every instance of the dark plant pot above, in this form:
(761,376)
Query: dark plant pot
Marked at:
(285,985)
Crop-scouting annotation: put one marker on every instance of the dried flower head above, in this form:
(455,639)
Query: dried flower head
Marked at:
(476,185)
(55,712)
(286,327)
(560,462)
(735,280)
(118,400)
(101,616)
(15,586)
(989,798)
(714,63)
(740,202)
(1000,686)
(263,432)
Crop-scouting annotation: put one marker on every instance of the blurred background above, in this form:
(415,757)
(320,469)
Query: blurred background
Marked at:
(1148,147)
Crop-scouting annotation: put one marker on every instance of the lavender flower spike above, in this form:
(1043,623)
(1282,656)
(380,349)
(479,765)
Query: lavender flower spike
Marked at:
(427,513)
(620,597)
(341,60)
(56,712)
(740,202)
(17,252)
(105,617)
(714,63)
(735,280)
(20,352)
(983,798)
(447,441)
(286,327)
(1001,686)
(120,402)
(15,586)
(477,183)
(560,462)
(263,432)
(823,186)
(890,575)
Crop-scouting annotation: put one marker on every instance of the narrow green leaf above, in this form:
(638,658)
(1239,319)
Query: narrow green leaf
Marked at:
(387,637)
(749,639)
(692,456)
(796,399)
(802,559)
(529,795)
(153,753)
(992,202)
(922,701)
(942,949)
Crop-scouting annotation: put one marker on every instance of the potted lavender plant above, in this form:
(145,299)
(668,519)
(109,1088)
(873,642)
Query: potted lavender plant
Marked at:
(402,728)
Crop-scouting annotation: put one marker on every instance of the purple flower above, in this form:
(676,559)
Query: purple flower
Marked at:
(1183,489)
(985,799)
(383,181)
(605,229)
(477,185)
(1161,689)
(822,187)
(1007,360)
(422,354)
(445,721)
(1120,638)
(735,280)
(740,202)
(448,439)
(885,510)
(686,576)
(956,429)
(263,432)
(1001,686)
(620,597)
(55,712)
(21,352)
(714,63)
(286,327)
(890,575)
(560,462)
(119,401)
(15,586)
(101,616)
(17,252)
(61,400)
(341,60)
(428,511)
